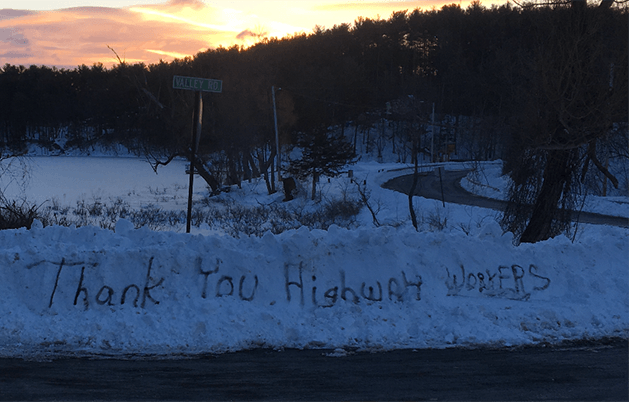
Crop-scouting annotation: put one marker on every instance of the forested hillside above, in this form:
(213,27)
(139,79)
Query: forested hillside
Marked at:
(545,88)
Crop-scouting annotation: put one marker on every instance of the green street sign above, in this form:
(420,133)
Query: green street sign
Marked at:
(197,84)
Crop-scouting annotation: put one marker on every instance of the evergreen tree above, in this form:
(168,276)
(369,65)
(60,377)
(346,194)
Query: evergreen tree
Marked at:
(323,153)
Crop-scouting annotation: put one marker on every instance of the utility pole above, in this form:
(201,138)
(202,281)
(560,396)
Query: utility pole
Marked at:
(432,137)
(277,137)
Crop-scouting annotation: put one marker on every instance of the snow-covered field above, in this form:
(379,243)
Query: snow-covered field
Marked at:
(457,282)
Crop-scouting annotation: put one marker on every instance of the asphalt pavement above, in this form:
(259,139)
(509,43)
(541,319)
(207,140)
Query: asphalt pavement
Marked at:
(431,184)
(591,371)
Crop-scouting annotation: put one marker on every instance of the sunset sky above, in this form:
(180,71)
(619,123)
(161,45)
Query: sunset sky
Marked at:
(68,33)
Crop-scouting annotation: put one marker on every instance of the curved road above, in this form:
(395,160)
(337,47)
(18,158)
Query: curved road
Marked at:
(429,186)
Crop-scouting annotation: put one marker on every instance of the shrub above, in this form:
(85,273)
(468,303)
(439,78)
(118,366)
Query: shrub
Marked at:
(15,215)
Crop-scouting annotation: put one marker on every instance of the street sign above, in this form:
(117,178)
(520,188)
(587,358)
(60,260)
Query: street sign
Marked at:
(197,84)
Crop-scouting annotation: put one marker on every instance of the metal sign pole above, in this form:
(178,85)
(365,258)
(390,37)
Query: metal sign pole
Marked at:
(194,144)
(198,85)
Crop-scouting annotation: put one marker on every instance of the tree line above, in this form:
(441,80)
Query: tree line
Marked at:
(543,87)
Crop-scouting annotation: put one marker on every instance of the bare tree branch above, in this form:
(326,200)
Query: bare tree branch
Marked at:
(155,162)
(599,165)
(117,57)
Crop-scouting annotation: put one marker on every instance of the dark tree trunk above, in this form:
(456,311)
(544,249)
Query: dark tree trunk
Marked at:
(209,179)
(411,192)
(315,179)
(264,168)
(557,178)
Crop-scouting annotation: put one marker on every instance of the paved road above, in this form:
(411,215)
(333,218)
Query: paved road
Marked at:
(580,372)
(430,187)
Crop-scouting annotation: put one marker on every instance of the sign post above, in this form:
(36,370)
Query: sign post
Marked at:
(198,85)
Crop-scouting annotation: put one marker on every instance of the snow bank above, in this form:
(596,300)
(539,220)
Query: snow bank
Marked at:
(89,290)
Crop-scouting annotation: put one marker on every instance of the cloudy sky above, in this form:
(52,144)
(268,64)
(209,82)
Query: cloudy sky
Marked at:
(68,33)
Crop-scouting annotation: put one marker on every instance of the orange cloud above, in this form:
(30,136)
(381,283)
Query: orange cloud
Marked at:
(195,4)
(173,55)
(70,37)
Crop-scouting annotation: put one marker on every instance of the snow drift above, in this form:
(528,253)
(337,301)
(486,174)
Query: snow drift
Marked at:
(135,291)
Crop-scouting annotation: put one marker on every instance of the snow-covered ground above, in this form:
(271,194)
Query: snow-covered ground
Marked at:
(490,183)
(457,282)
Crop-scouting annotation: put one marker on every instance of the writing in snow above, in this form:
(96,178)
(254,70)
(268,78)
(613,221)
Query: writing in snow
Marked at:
(297,285)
